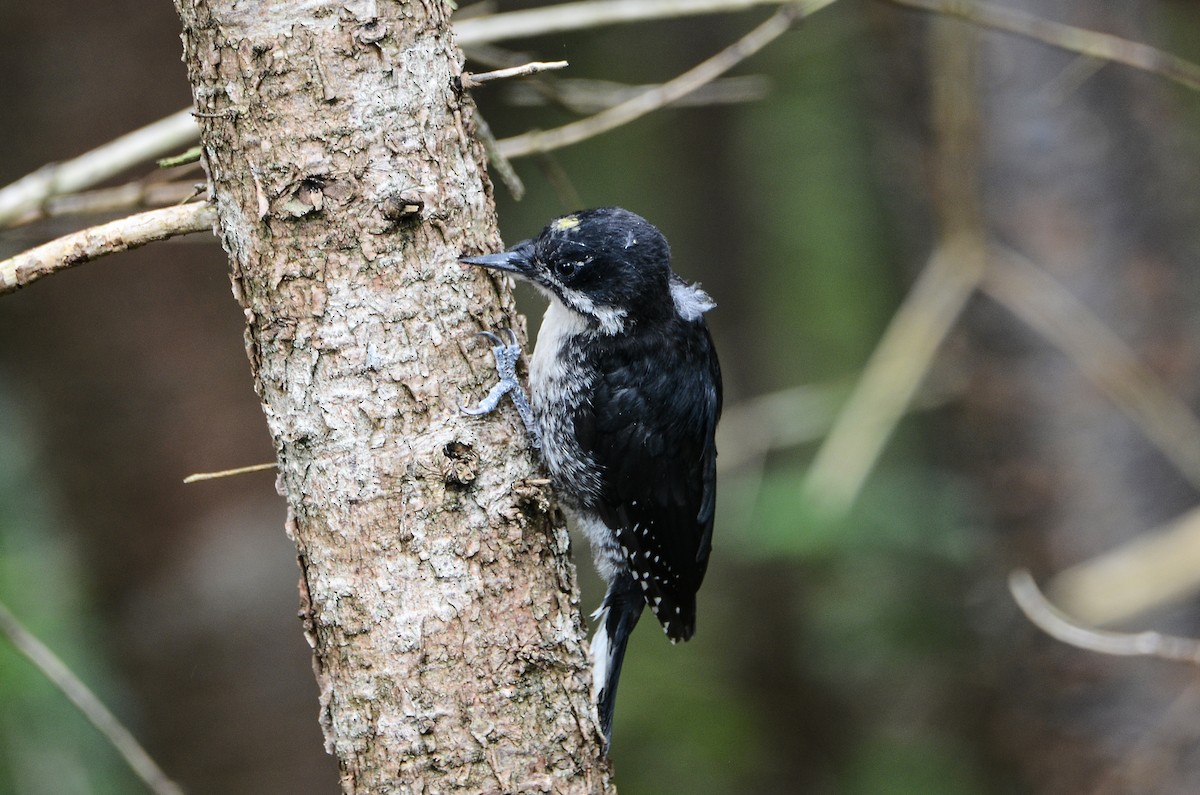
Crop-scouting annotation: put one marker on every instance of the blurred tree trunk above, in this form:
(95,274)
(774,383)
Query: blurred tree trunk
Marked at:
(1080,175)
(437,596)
(1083,171)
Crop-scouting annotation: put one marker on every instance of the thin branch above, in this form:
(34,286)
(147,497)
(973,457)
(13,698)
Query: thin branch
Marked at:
(500,164)
(131,195)
(192,155)
(1067,37)
(89,244)
(588,14)
(1041,302)
(470,80)
(88,703)
(496,57)
(154,140)
(1155,568)
(226,473)
(1059,626)
(653,99)
(591,96)
(583,96)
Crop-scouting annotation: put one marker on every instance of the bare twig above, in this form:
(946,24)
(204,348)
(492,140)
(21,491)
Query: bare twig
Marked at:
(192,155)
(1037,298)
(904,354)
(496,57)
(162,137)
(588,14)
(87,703)
(89,244)
(1059,626)
(1067,37)
(470,80)
(592,96)
(500,164)
(653,99)
(1155,568)
(131,195)
(226,473)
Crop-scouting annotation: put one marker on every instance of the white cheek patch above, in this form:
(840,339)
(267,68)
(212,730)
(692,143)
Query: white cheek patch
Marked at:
(610,318)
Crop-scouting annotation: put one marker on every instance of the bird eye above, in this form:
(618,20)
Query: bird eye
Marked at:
(565,269)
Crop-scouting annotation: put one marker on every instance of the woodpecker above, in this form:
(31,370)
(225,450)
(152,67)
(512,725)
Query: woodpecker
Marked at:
(625,394)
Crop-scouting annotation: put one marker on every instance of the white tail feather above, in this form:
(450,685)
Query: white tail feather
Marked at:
(600,654)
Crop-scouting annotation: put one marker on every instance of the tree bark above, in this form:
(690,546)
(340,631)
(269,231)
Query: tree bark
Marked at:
(436,589)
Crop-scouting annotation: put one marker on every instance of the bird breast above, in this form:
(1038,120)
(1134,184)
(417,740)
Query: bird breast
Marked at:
(558,385)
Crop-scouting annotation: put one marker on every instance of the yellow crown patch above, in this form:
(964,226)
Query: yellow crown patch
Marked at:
(565,223)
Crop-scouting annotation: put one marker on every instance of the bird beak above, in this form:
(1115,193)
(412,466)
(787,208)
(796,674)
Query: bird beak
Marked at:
(515,260)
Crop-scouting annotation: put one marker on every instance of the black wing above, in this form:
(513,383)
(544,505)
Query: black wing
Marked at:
(649,428)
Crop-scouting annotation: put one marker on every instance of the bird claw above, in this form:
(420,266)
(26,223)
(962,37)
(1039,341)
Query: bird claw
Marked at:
(510,343)
(507,353)
(490,337)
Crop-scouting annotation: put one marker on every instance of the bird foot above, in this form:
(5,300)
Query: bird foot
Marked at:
(507,353)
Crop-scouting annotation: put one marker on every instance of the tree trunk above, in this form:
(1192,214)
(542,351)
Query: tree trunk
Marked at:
(436,589)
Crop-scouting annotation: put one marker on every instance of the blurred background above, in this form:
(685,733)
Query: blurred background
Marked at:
(851,640)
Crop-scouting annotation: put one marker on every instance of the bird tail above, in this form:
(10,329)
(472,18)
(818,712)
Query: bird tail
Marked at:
(617,616)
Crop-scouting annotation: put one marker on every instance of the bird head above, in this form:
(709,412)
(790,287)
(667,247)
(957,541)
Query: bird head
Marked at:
(609,265)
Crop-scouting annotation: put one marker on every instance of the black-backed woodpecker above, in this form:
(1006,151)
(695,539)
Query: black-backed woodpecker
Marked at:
(625,397)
